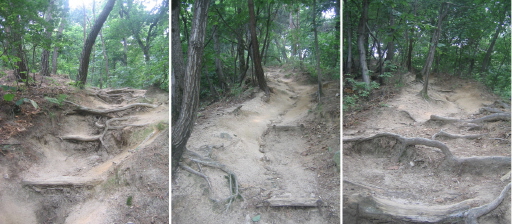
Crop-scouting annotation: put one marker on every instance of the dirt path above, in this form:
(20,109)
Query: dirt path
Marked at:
(70,181)
(418,179)
(262,144)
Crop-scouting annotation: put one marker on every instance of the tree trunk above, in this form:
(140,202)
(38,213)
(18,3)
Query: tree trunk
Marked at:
(360,42)
(487,57)
(410,47)
(425,72)
(218,62)
(59,36)
(349,46)
(105,58)
(91,38)
(317,54)
(178,65)
(182,128)
(256,51)
(45,55)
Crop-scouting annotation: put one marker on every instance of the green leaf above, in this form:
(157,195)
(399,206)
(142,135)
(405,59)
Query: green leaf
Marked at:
(20,101)
(8,88)
(9,97)
(34,104)
(52,100)
(256,218)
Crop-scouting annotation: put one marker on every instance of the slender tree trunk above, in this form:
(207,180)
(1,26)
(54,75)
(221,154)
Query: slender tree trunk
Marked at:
(45,55)
(218,62)
(361,45)
(256,51)
(410,47)
(105,58)
(349,46)
(487,57)
(91,38)
(178,65)
(21,69)
(56,48)
(317,54)
(425,72)
(182,128)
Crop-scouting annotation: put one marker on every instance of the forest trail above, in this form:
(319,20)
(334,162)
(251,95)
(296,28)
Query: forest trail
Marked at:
(418,179)
(56,179)
(263,143)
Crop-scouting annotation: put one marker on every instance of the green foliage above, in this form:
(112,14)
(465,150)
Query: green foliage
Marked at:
(162,125)
(129,201)
(59,100)
(361,92)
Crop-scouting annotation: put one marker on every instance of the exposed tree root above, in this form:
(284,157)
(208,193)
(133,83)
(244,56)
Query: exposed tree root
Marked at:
(448,135)
(233,180)
(472,215)
(489,118)
(489,109)
(373,206)
(493,117)
(451,162)
(105,112)
(107,126)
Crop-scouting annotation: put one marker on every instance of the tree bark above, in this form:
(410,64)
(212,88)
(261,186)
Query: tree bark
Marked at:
(178,65)
(218,62)
(317,54)
(45,55)
(256,51)
(105,58)
(361,45)
(182,128)
(487,57)
(91,38)
(349,46)
(59,34)
(425,72)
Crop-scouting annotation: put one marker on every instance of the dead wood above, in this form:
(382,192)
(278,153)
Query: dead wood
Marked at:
(448,135)
(292,202)
(472,215)
(444,119)
(105,112)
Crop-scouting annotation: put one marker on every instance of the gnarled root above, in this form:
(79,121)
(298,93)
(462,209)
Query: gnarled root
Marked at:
(107,126)
(233,180)
(469,164)
(105,112)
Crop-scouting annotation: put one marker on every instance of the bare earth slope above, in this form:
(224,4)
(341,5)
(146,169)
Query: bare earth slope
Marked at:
(265,144)
(51,174)
(421,183)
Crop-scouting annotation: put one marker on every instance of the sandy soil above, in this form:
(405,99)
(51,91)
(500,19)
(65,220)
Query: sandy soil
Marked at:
(268,145)
(417,180)
(50,180)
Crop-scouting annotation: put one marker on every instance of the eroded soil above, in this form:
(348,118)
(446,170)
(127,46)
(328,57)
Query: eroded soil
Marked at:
(417,180)
(48,179)
(281,151)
